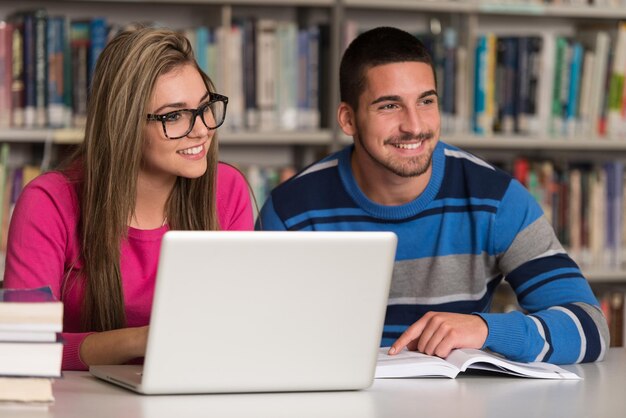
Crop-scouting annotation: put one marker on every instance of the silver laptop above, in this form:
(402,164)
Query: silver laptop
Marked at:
(264,312)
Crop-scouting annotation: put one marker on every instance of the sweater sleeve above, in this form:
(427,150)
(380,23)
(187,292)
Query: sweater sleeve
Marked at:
(562,321)
(233,200)
(269,219)
(40,245)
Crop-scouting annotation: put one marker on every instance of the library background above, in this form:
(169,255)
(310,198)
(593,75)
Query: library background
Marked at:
(536,88)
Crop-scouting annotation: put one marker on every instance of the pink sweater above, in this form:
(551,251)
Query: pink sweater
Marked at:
(43,243)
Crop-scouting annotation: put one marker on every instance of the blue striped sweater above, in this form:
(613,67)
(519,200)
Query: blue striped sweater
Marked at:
(472,227)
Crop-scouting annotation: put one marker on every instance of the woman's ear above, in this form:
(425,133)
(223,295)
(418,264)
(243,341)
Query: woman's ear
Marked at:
(346,119)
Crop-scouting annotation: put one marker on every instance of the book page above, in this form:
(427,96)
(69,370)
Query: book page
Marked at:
(468,358)
(412,364)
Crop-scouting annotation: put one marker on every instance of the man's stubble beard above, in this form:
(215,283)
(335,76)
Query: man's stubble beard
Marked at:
(411,167)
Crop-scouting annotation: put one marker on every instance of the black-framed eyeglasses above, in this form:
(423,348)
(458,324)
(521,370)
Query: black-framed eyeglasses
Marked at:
(179,123)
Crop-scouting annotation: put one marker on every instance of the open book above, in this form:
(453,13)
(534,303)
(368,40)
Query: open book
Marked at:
(414,364)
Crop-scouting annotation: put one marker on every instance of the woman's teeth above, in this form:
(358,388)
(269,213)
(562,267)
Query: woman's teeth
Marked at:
(191,151)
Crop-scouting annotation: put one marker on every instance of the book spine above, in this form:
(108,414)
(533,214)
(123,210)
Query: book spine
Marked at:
(5,73)
(18,91)
(449,78)
(80,39)
(235,85)
(286,95)
(68,93)
(556,121)
(499,84)
(546,83)
(462,90)
(266,73)
(596,99)
(303,58)
(509,111)
(575,218)
(313,118)
(490,83)
(55,72)
(29,71)
(41,64)
(479,83)
(574,89)
(249,70)
(200,47)
(616,89)
(98,40)
(326,111)
(4,172)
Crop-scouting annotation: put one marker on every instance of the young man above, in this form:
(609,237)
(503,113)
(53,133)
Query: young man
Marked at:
(462,224)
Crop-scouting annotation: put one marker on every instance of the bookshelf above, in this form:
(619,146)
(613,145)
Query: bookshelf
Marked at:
(469,20)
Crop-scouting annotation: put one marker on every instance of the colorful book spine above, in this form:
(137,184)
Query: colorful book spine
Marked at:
(449,78)
(18,90)
(616,88)
(312,77)
(29,71)
(79,41)
(6,61)
(98,33)
(571,114)
(556,121)
(510,66)
(480,81)
(249,72)
(56,110)
(41,64)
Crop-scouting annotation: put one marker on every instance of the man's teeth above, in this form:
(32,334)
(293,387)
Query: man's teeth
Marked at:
(408,146)
(191,151)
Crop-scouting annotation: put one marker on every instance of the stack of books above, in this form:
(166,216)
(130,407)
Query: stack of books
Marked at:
(30,351)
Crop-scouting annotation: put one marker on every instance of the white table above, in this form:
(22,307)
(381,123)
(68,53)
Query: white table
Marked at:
(602,393)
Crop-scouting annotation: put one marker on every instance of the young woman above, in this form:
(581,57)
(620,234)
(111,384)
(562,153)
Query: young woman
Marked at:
(148,164)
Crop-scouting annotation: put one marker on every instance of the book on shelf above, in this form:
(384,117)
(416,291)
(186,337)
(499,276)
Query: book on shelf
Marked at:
(234,82)
(18,92)
(612,305)
(41,65)
(266,66)
(408,364)
(255,62)
(585,202)
(80,44)
(56,41)
(6,45)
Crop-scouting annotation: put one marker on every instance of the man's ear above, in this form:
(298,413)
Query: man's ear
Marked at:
(346,119)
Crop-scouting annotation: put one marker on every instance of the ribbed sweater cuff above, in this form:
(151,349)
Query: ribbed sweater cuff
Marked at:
(508,334)
(71,351)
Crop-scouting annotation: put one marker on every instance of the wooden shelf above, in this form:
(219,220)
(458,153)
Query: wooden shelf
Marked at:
(302,137)
(446,6)
(75,136)
(294,3)
(533,143)
(494,8)
(471,141)
(606,276)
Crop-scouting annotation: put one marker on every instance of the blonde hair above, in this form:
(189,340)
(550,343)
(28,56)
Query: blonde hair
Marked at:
(110,158)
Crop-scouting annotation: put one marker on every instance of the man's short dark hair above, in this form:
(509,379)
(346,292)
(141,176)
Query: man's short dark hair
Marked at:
(382,45)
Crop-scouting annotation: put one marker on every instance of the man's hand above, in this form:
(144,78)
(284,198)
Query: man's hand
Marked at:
(437,333)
